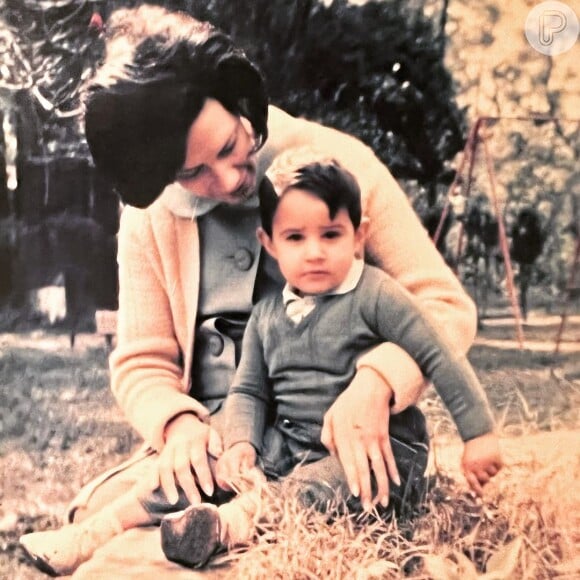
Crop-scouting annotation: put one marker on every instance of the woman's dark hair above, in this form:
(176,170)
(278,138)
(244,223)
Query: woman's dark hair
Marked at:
(159,70)
(327,181)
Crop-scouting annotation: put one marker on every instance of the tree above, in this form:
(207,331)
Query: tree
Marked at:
(375,70)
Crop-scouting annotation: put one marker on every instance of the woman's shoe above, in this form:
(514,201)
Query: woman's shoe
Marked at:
(61,552)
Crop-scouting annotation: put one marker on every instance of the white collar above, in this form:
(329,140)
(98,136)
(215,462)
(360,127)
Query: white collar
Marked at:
(182,203)
(347,285)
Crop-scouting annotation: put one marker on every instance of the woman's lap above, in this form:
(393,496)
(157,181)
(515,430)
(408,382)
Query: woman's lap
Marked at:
(111,485)
(122,479)
(408,438)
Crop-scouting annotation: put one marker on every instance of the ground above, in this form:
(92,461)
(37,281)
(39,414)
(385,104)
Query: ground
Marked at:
(59,427)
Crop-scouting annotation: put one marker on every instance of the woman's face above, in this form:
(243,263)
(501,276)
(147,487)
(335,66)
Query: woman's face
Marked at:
(220,158)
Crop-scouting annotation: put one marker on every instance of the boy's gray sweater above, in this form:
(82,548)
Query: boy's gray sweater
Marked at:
(298,370)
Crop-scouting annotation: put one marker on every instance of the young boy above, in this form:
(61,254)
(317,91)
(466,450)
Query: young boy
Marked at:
(299,353)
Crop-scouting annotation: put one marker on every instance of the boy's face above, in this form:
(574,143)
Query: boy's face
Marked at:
(313,251)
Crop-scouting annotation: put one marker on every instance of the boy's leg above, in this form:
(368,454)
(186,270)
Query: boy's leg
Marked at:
(323,483)
(410,444)
(117,500)
(191,537)
(62,551)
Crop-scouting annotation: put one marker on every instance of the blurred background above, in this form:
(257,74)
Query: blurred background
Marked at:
(409,78)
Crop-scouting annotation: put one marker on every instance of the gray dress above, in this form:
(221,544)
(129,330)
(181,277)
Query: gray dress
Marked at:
(234,275)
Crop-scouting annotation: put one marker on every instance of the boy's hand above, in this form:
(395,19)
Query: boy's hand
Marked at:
(237,460)
(481,461)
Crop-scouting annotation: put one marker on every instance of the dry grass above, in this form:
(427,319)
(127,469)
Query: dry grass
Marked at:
(526,528)
(59,427)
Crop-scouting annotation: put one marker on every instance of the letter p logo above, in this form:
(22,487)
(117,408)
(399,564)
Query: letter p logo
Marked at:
(552,28)
(551,22)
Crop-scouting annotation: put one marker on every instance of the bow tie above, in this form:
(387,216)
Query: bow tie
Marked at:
(299,308)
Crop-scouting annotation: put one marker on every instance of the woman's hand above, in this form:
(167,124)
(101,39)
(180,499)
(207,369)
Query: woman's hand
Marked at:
(481,461)
(184,458)
(235,461)
(356,429)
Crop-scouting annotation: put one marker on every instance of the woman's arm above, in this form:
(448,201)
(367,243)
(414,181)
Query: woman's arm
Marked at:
(398,244)
(146,374)
(146,369)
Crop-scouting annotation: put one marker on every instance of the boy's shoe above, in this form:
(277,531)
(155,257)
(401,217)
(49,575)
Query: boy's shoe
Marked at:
(191,537)
(61,552)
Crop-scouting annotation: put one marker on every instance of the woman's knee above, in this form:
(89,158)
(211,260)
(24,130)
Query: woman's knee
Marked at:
(113,484)
(102,496)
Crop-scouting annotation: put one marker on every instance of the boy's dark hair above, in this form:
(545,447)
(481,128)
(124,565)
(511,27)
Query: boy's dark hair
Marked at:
(328,181)
(160,69)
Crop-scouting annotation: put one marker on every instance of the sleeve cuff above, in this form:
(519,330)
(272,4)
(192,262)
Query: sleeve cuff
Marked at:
(177,404)
(399,371)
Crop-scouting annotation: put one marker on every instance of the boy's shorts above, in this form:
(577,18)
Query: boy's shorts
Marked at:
(322,478)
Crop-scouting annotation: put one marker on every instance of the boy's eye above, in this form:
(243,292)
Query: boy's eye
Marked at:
(294,237)
(332,234)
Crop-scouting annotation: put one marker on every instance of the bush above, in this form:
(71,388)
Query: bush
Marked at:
(375,71)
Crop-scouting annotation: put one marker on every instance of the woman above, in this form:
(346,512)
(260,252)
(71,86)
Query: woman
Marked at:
(179,121)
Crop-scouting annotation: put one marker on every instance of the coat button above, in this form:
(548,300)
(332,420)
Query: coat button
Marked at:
(243,259)
(216,344)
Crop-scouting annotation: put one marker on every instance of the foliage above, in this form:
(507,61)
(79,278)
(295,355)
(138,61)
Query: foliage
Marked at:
(375,70)
(57,42)
(536,143)
(55,52)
